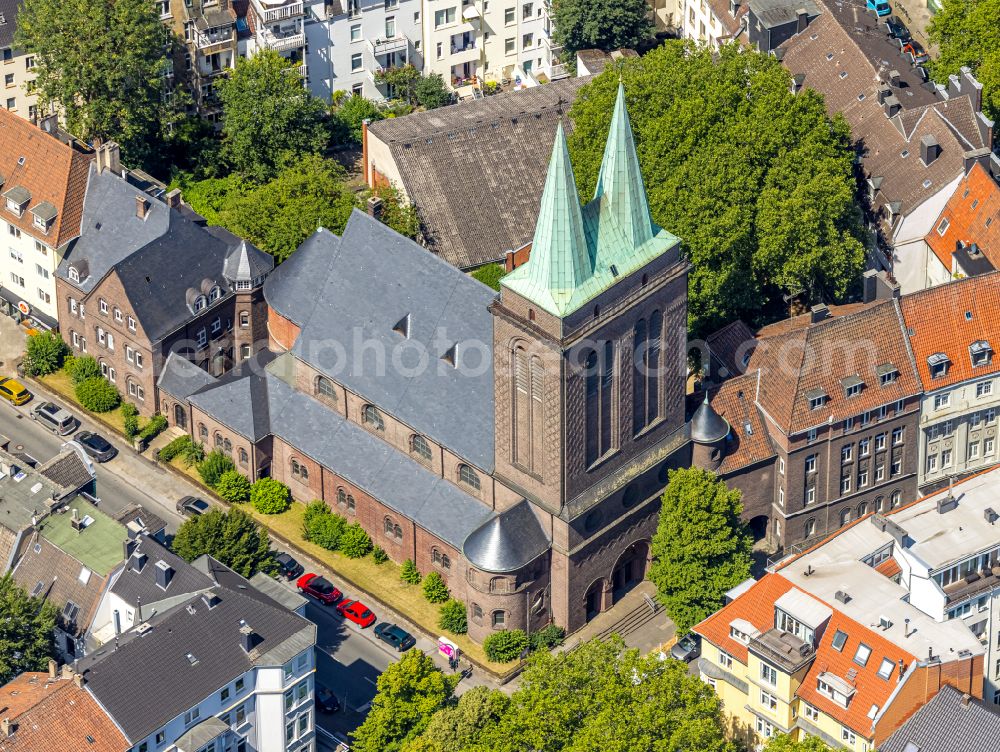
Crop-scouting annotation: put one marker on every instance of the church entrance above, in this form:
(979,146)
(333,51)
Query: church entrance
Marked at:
(595,599)
(758,527)
(180,417)
(630,569)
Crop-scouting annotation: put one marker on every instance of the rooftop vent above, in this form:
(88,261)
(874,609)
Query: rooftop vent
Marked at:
(403,326)
(211,599)
(248,638)
(891,106)
(947,502)
(842,596)
(164,574)
(990,516)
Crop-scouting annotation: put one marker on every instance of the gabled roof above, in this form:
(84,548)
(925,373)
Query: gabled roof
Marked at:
(755,606)
(950,722)
(149,522)
(181,378)
(71,469)
(508,541)
(134,584)
(734,340)
(749,441)
(972,215)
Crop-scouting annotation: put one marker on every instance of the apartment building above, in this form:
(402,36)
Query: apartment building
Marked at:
(18,95)
(278,25)
(714,22)
(43,177)
(350,43)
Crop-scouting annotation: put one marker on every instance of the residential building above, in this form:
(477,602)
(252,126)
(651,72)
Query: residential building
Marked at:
(278,25)
(848,666)
(46,711)
(17,68)
(43,177)
(427,156)
(769,23)
(67,560)
(145,278)
(593,62)
(714,22)
(138,519)
(953,721)
(349,44)
(951,328)
(535,506)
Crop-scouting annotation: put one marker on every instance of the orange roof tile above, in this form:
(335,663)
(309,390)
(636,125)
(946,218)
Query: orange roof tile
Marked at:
(890,568)
(734,401)
(948,319)
(50,169)
(972,215)
(756,606)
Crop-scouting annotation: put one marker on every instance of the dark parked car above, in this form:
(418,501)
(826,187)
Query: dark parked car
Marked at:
(326,701)
(191,506)
(357,612)
(687,648)
(96,446)
(393,635)
(288,566)
(896,29)
(317,587)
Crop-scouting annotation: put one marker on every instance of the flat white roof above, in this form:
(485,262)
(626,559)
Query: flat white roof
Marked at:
(804,608)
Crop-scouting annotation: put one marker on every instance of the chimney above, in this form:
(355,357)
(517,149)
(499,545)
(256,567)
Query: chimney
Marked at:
(876,285)
(139,560)
(989,515)
(798,80)
(947,502)
(7,727)
(894,78)
(369,178)
(53,669)
(129,545)
(977,156)
(164,574)
(375,207)
(802,20)
(819,312)
(884,92)
(906,627)
(173,198)
(78,680)
(930,149)
(49,124)
(141,207)
(75,522)
(969,85)
(247,637)
(108,157)
(891,106)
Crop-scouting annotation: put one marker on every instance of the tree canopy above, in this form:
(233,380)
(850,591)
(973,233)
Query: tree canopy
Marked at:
(233,538)
(101,64)
(270,120)
(967,32)
(757,182)
(701,547)
(600,24)
(784,743)
(27,636)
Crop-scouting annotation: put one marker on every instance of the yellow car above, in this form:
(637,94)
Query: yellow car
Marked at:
(13,391)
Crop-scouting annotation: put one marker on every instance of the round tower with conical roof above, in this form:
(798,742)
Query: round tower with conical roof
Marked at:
(708,437)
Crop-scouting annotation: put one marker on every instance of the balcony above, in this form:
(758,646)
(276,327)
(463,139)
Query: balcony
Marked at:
(204,40)
(398,43)
(464,53)
(281,41)
(269,12)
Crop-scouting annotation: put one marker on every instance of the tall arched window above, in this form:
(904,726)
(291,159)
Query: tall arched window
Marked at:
(244,457)
(469,477)
(652,375)
(227,447)
(600,375)
(845,516)
(639,344)
(527,420)
(373,418)
(389,526)
(341,497)
(218,440)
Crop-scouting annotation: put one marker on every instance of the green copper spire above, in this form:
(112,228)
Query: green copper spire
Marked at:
(619,183)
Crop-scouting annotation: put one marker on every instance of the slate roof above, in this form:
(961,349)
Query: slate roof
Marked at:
(70,469)
(950,722)
(937,317)
(156,664)
(151,523)
(52,171)
(247,262)
(507,541)
(773,13)
(370,281)
(50,714)
(707,426)
(182,378)
(975,203)
(733,341)
(9,10)
(133,584)
(816,358)
(748,442)
(474,170)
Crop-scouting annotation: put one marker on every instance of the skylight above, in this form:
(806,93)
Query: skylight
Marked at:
(839,639)
(862,654)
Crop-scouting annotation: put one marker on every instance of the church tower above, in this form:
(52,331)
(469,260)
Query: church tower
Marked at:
(245,269)
(590,366)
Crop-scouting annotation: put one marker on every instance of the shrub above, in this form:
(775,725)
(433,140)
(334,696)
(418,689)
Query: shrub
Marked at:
(354,542)
(452,618)
(129,410)
(270,496)
(435,591)
(174,448)
(409,573)
(233,486)
(157,425)
(83,368)
(131,427)
(490,275)
(326,530)
(193,453)
(45,353)
(547,637)
(213,466)
(379,555)
(506,646)
(98,395)
(315,508)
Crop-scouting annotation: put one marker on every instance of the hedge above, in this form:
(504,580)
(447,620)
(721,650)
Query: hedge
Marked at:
(505,646)
(157,425)
(270,496)
(98,395)
(178,446)
(233,486)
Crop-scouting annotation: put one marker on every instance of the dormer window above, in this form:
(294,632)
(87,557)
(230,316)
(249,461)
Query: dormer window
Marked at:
(887,374)
(742,631)
(17,199)
(817,398)
(74,275)
(938,365)
(832,686)
(852,386)
(981,353)
(200,303)
(215,294)
(44,214)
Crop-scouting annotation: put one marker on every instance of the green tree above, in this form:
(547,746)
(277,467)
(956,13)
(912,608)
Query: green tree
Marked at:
(458,726)
(599,24)
(214,465)
(490,275)
(409,692)
(757,181)
(27,636)
(233,486)
(434,588)
(351,113)
(270,496)
(784,743)
(355,543)
(547,637)
(967,33)
(97,394)
(270,120)
(44,354)
(101,65)
(452,617)
(403,80)
(505,646)
(397,212)
(701,547)
(430,92)
(82,368)
(233,538)
(131,425)
(409,573)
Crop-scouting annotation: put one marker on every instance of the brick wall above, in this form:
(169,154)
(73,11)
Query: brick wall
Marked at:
(282,333)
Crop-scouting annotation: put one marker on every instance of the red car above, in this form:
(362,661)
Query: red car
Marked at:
(357,612)
(320,589)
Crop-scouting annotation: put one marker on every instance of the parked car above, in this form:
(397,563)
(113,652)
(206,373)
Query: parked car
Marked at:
(319,588)
(55,418)
(13,391)
(192,506)
(288,567)
(96,446)
(881,7)
(896,28)
(326,700)
(395,636)
(911,48)
(687,648)
(357,612)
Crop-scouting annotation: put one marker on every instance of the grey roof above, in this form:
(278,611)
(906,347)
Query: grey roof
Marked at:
(475,170)
(372,279)
(181,378)
(134,585)
(508,541)
(23,496)
(247,262)
(297,282)
(18,194)
(773,13)
(200,735)
(149,679)
(272,589)
(8,9)
(238,400)
(151,523)
(44,210)
(70,469)
(948,723)
(707,426)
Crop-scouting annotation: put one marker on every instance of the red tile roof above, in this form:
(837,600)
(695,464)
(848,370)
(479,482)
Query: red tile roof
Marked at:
(948,319)
(890,568)
(734,401)
(756,606)
(50,169)
(964,224)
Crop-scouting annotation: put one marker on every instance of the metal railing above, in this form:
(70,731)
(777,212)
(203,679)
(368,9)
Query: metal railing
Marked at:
(280,13)
(282,41)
